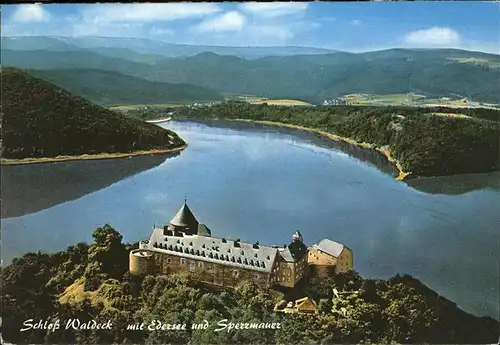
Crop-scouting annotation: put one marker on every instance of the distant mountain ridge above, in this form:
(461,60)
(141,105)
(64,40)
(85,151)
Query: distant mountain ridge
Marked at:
(432,72)
(150,47)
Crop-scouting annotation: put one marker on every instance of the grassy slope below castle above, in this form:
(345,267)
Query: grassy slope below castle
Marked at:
(422,143)
(92,282)
(42,122)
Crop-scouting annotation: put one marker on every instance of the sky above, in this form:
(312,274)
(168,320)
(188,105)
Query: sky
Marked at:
(355,27)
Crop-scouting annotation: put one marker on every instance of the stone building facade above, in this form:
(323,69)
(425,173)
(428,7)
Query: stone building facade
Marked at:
(186,246)
(328,258)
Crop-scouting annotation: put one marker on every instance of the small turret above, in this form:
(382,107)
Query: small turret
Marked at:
(297,237)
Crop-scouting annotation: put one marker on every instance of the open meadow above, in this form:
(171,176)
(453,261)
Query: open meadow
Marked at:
(261,100)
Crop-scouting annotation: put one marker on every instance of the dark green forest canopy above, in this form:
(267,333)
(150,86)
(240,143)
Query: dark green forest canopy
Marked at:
(400,309)
(425,144)
(40,119)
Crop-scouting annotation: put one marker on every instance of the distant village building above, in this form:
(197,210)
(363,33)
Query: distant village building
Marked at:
(186,246)
(328,258)
(334,102)
(205,104)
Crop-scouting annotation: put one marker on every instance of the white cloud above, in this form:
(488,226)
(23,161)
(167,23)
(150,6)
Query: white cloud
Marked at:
(30,13)
(355,22)
(261,33)
(275,9)
(435,36)
(106,13)
(229,21)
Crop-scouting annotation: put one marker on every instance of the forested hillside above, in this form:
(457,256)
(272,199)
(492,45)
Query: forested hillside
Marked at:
(319,77)
(91,282)
(108,88)
(40,119)
(313,78)
(425,144)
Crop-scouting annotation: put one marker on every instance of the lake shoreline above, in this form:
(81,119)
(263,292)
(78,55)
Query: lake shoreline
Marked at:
(402,175)
(99,156)
(160,120)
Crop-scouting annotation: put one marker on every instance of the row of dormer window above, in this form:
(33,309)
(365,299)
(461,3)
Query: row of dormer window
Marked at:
(210,255)
(186,250)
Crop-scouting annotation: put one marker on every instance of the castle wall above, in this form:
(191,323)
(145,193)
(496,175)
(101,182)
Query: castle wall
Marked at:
(317,257)
(290,273)
(324,265)
(207,272)
(344,261)
(322,271)
(286,274)
(301,269)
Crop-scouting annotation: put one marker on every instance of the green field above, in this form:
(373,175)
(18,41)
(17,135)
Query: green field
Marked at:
(261,100)
(413,99)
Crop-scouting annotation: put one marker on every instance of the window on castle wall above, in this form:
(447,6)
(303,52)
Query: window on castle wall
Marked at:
(183,261)
(192,267)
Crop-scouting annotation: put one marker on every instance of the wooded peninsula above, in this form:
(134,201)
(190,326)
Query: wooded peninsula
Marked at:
(432,141)
(44,123)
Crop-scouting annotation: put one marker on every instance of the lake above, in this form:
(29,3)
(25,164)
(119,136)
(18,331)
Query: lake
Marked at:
(258,182)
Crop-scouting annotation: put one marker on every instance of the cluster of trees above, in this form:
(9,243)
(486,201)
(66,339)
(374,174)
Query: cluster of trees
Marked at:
(92,282)
(425,144)
(42,120)
(150,113)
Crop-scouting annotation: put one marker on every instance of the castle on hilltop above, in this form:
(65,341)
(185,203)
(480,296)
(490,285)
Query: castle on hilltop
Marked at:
(186,246)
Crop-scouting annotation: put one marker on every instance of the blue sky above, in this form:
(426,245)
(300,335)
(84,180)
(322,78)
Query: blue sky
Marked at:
(343,26)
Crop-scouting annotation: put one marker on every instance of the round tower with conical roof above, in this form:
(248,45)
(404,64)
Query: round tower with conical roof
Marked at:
(184,221)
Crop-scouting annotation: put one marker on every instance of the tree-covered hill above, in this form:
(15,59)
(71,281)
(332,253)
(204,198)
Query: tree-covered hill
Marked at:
(36,43)
(92,282)
(433,72)
(40,119)
(318,77)
(48,59)
(425,144)
(112,88)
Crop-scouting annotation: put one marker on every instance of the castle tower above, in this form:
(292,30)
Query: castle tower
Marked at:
(297,248)
(184,221)
(297,236)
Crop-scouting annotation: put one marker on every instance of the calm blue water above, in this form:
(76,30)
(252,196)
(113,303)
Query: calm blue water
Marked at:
(263,184)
